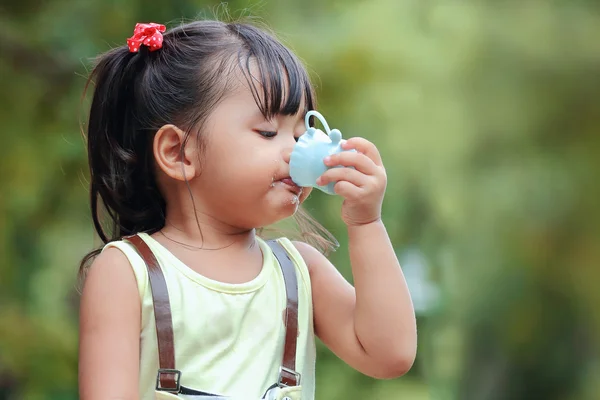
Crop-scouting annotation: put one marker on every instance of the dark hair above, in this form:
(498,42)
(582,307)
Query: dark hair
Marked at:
(137,93)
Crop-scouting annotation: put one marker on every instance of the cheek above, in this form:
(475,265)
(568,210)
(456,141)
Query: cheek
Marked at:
(257,159)
(246,168)
(239,158)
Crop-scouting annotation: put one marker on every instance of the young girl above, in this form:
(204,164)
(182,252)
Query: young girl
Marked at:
(189,142)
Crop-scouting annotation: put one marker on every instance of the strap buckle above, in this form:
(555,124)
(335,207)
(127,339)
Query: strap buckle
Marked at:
(288,377)
(164,371)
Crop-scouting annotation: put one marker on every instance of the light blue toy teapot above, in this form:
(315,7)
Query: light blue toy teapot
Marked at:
(306,162)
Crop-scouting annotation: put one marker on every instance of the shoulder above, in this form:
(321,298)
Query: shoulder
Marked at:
(295,256)
(111,260)
(302,254)
(120,257)
(110,294)
(312,257)
(111,254)
(110,273)
(117,274)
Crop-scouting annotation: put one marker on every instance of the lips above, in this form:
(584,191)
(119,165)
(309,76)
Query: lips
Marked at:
(291,185)
(288,181)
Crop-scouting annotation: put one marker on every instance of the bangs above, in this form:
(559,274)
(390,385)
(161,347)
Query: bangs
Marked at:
(282,85)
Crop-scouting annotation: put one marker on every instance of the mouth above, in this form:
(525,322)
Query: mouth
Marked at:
(291,186)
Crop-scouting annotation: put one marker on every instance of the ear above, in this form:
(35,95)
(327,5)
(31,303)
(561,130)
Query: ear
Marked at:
(175,160)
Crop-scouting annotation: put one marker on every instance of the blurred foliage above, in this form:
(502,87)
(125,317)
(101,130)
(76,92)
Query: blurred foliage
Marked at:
(486,114)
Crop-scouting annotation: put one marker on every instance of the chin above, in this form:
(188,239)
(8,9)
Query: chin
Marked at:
(278,212)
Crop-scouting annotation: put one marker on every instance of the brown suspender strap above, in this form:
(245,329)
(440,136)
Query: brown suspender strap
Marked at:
(288,376)
(168,378)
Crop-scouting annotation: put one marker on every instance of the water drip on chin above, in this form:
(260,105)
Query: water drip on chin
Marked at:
(295,202)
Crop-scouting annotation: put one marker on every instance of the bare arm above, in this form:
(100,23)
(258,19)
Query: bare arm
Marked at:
(371,326)
(109,334)
(384,315)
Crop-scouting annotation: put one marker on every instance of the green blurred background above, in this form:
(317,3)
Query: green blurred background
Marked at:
(487,117)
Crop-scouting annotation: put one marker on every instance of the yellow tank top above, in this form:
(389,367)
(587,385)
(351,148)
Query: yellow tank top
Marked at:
(228,337)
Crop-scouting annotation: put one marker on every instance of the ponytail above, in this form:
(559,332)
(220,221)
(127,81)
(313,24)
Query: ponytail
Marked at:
(124,196)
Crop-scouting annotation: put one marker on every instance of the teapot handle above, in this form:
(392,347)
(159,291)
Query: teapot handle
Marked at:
(319,117)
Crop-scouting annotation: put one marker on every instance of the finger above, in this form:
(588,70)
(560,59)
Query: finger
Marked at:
(343,174)
(364,146)
(352,159)
(347,190)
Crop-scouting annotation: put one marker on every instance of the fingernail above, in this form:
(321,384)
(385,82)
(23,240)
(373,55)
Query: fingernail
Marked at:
(327,159)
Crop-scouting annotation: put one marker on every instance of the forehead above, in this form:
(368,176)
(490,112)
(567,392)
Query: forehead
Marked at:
(275,89)
(239,104)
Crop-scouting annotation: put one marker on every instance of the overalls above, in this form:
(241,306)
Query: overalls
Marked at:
(168,377)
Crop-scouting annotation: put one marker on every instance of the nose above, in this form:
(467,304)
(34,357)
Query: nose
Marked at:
(287,154)
(289,147)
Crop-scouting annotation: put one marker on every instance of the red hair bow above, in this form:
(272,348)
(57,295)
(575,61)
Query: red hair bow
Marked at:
(146,34)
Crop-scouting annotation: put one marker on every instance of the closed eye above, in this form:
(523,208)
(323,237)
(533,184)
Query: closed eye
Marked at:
(267,134)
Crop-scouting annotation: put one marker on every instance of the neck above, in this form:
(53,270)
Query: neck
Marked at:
(199,230)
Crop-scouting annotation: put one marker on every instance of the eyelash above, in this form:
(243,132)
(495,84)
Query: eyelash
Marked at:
(269,134)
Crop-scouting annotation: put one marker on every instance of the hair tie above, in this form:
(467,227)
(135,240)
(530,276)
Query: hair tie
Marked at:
(148,35)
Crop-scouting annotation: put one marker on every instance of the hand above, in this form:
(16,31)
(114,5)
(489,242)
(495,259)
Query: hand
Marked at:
(362,187)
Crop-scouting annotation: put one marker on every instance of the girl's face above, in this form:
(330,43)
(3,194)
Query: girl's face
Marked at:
(245,176)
